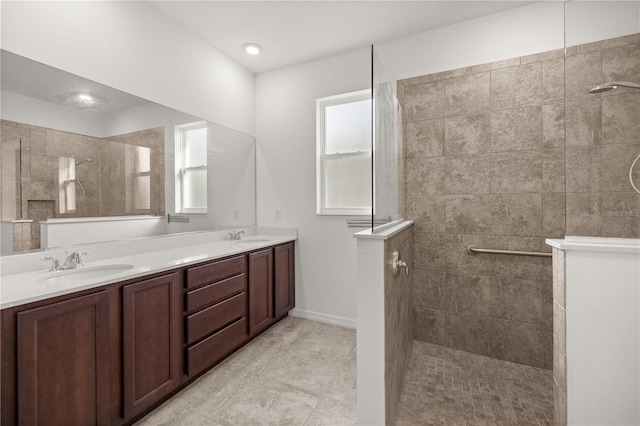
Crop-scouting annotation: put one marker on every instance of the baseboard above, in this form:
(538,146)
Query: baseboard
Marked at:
(320,317)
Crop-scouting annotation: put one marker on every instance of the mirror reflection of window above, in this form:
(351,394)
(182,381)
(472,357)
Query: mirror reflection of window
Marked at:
(67,184)
(138,166)
(191,168)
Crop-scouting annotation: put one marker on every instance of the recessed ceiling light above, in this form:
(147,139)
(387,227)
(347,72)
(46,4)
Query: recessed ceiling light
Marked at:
(252,48)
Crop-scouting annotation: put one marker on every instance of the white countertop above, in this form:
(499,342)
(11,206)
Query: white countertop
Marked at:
(600,244)
(21,288)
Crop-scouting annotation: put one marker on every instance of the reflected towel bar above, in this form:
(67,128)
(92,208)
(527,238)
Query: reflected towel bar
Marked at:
(473,250)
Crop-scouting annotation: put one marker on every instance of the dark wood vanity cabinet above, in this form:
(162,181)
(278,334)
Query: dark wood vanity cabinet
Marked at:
(152,341)
(260,290)
(284,280)
(63,364)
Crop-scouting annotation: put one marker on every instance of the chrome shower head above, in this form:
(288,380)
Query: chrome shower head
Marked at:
(613,85)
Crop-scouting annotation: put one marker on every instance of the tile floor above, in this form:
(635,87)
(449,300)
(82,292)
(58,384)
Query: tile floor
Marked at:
(303,372)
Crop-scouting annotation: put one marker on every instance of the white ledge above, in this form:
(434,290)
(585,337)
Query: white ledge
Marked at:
(599,244)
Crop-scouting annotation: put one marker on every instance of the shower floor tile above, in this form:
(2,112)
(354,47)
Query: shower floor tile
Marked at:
(446,386)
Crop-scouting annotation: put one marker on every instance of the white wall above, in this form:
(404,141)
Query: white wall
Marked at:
(131,46)
(286,174)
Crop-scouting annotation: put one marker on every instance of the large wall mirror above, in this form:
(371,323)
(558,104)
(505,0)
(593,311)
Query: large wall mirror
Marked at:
(79,157)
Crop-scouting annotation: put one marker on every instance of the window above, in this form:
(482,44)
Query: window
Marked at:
(343,142)
(191,168)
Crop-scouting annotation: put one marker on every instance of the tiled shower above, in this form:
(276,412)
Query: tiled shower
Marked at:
(503,155)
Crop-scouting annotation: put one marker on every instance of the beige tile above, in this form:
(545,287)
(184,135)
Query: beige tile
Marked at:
(558,277)
(559,346)
(428,211)
(423,101)
(553,126)
(330,412)
(430,325)
(520,342)
(468,175)
(543,56)
(516,87)
(424,138)
(616,163)
(506,63)
(553,80)
(582,72)
(425,176)
(431,290)
(521,267)
(584,122)
(516,299)
(431,255)
(547,302)
(517,214)
(620,124)
(469,94)
(516,129)
(472,294)
(621,63)
(553,170)
(609,43)
(460,261)
(469,134)
(559,407)
(584,214)
(621,214)
(553,215)
(584,169)
(469,333)
(468,214)
(516,172)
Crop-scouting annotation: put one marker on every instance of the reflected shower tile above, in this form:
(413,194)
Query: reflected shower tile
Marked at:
(584,122)
(516,129)
(543,56)
(616,162)
(620,123)
(553,170)
(584,168)
(38,141)
(621,63)
(516,87)
(553,80)
(584,214)
(516,299)
(516,172)
(582,73)
(517,214)
(621,214)
(469,94)
(472,294)
(469,134)
(496,65)
(468,175)
(423,101)
(553,215)
(553,126)
(424,138)
(468,214)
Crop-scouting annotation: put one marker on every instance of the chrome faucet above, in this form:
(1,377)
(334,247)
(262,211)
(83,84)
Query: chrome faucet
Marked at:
(233,235)
(74,260)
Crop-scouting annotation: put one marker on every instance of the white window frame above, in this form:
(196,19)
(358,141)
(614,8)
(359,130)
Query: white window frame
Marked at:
(180,168)
(321,156)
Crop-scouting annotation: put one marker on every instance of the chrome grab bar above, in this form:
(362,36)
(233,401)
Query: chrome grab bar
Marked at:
(474,250)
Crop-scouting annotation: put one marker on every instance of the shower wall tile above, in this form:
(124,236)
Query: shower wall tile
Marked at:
(547,303)
(424,138)
(471,294)
(620,123)
(584,122)
(426,175)
(467,175)
(468,214)
(431,290)
(423,101)
(430,255)
(516,87)
(520,342)
(559,346)
(608,44)
(616,163)
(621,63)
(584,169)
(554,215)
(468,134)
(516,129)
(516,172)
(582,72)
(517,214)
(429,210)
(460,261)
(507,63)
(542,56)
(621,214)
(516,299)
(553,126)
(431,326)
(584,214)
(520,267)
(553,80)
(469,333)
(553,170)
(436,77)
(469,94)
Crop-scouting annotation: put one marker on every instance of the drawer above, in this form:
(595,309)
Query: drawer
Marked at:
(209,320)
(214,293)
(216,271)
(214,348)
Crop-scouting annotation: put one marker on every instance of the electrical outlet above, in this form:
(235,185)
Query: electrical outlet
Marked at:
(236,214)
(278,215)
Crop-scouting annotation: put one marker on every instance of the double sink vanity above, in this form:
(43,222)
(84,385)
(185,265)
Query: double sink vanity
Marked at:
(107,342)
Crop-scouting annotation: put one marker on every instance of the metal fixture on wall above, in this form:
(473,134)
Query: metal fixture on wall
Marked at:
(397,264)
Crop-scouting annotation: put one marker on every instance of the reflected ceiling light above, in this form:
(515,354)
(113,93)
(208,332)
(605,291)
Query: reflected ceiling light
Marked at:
(85,99)
(252,48)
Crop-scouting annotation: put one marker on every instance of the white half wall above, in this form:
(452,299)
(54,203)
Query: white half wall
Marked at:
(133,47)
(286,180)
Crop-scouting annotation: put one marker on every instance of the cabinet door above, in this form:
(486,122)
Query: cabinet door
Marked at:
(63,362)
(260,290)
(285,286)
(152,341)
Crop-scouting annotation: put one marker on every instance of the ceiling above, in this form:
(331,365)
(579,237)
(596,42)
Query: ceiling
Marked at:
(292,32)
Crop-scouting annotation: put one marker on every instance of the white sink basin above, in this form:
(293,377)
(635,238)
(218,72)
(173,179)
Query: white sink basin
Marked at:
(86,273)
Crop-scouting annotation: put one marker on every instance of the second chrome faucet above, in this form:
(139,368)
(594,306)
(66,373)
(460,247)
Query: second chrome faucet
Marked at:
(73,261)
